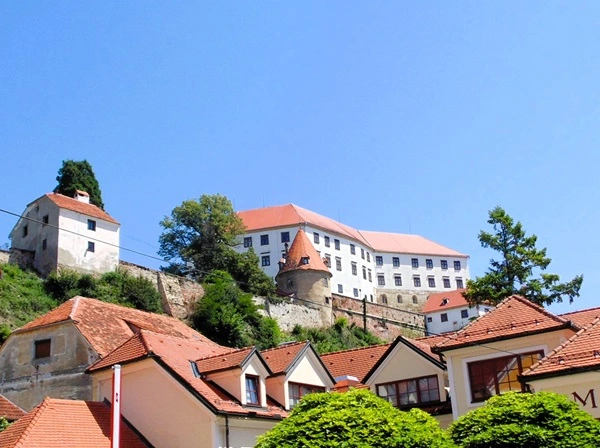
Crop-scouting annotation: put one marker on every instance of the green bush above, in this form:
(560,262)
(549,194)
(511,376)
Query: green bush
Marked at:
(514,420)
(353,419)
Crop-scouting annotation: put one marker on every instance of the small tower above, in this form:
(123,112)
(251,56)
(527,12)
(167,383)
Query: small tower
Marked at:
(304,275)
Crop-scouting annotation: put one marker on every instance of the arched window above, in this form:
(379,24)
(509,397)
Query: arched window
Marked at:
(383,298)
(415,300)
(399,297)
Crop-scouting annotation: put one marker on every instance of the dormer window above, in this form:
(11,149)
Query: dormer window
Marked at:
(252,390)
(445,301)
(304,260)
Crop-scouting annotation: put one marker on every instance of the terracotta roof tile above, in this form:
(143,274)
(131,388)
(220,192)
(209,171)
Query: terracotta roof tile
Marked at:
(280,358)
(444,301)
(67,423)
(80,207)
(224,361)
(515,316)
(356,362)
(398,243)
(582,318)
(303,256)
(9,410)
(580,352)
(107,326)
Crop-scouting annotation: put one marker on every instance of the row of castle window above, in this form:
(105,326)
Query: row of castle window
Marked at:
(415,263)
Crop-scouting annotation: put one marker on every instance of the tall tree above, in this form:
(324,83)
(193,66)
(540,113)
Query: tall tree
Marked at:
(516,269)
(74,175)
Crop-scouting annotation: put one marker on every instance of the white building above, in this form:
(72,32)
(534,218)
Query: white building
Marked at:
(449,311)
(389,268)
(64,232)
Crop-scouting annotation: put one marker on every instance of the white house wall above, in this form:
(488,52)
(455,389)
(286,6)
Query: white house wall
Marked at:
(455,320)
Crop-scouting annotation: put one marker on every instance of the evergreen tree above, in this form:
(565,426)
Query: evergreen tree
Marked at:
(74,175)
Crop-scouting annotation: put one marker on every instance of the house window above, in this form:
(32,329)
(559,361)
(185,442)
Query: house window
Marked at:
(446,282)
(417,281)
(327,241)
(352,249)
(264,240)
(381,280)
(411,392)
(397,280)
(25,231)
(316,237)
(383,298)
(338,263)
(265,260)
(444,264)
(45,219)
(42,349)
(459,283)
(396,262)
(364,273)
(340,288)
(444,317)
(355,292)
(429,319)
(370,278)
(464,314)
(379,260)
(414,262)
(457,265)
(399,298)
(431,282)
(44,244)
(285,237)
(495,376)
(354,269)
(252,391)
(362,253)
(297,391)
(429,263)
(91,225)
(248,241)
(336,243)
(415,299)
(91,246)
(368,256)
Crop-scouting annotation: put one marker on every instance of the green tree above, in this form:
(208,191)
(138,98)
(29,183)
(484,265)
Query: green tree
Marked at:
(79,175)
(515,420)
(3,424)
(357,418)
(199,237)
(229,317)
(514,272)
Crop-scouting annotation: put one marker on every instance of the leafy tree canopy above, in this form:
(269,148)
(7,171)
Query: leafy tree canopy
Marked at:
(229,317)
(353,419)
(515,420)
(74,175)
(514,272)
(199,237)
(3,424)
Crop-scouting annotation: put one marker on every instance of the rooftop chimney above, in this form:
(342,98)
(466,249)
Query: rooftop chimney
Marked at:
(82,196)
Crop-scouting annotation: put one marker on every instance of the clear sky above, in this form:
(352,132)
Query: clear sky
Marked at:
(408,117)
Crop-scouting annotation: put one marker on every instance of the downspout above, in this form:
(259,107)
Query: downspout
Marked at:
(227,430)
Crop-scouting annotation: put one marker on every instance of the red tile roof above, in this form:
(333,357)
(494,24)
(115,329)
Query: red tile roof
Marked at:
(514,317)
(67,423)
(179,354)
(302,249)
(225,361)
(444,301)
(9,410)
(281,358)
(356,362)
(398,243)
(581,352)
(582,318)
(107,326)
(80,207)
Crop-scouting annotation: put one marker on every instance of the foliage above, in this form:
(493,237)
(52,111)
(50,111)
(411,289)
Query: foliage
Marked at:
(340,336)
(229,317)
(22,298)
(115,287)
(76,175)
(515,420)
(4,333)
(514,272)
(3,424)
(199,238)
(353,419)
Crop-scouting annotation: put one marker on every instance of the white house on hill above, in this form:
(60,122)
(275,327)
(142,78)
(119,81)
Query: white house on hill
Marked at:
(59,231)
(450,311)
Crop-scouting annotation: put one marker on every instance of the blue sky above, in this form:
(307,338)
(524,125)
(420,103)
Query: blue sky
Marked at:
(397,116)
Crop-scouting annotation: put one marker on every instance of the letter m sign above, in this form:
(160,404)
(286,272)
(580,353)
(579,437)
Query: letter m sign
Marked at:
(584,401)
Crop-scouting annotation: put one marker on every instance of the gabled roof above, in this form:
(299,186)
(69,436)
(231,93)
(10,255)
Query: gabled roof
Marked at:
(303,256)
(74,205)
(9,410)
(399,243)
(107,326)
(284,358)
(356,362)
(514,317)
(177,356)
(225,361)
(67,423)
(582,318)
(579,353)
(445,301)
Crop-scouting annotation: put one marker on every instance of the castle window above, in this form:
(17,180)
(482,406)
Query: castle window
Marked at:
(352,249)
(381,280)
(431,282)
(91,225)
(285,237)
(264,240)
(429,263)
(354,269)
(459,283)
(362,253)
(336,243)
(399,298)
(325,281)
(414,262)
(396,262)
(383,298)
(417,281)
(457,265)
(355,291)
(316,237)
(415,299)
(368,256)
(248,241)
(340,288)
(42,349)
(265,260)
(397,280)
(338,263)
(446,282)
(364,273)
(370,278)
(326,241)
(328,260)
(444,264)
(379,260)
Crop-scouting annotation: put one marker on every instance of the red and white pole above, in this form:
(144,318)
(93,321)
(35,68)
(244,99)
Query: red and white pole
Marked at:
(116,407)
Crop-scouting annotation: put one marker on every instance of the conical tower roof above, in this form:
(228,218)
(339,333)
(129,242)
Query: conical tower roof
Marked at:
(303,256)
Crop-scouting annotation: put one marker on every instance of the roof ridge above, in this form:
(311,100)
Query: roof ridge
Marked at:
(581,311)
(284,345)
(37,411)
(74,307)
(356,349)
(233,351)
(537,307)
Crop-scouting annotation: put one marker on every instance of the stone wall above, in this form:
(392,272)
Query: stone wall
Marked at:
(4,256)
